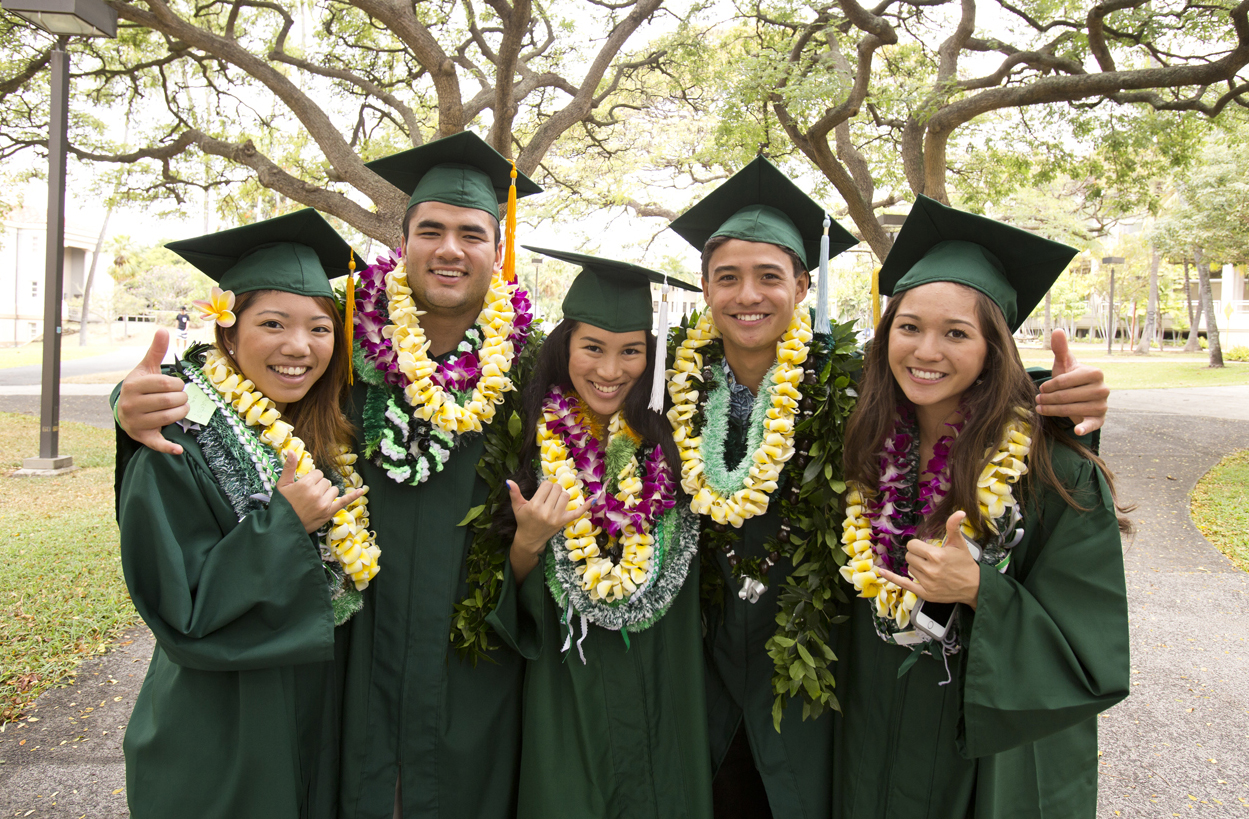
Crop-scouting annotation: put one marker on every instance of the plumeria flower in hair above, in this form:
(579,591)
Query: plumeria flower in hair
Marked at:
(219,307)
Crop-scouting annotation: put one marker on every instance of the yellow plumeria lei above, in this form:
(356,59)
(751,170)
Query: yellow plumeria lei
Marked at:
(428,400)
(347,537)
(777,445)
(995,493)
(601,578)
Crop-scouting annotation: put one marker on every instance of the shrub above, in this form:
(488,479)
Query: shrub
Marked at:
(1238,353)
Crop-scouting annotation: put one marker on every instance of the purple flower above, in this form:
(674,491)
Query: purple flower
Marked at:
(459,373)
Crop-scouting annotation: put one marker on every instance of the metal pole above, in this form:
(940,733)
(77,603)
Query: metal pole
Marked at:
(54,267)
(1110,319)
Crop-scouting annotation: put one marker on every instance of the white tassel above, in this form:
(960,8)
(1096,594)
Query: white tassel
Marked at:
(821,289)
(661,352)
(585,632)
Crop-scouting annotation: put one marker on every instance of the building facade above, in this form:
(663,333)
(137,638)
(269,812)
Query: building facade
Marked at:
(23,252)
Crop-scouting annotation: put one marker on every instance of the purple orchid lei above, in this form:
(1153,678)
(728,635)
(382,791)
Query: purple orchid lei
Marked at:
(895,516)
(565,416)
(460,371)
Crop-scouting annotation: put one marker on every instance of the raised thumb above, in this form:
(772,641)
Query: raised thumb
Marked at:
(288,470)
(518,500)
(1062,353)
(953,534)
(155,353)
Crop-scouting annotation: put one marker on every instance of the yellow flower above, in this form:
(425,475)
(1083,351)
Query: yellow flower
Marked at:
(218,307)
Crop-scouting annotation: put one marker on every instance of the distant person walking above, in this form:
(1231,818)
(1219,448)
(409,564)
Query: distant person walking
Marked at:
(182,320)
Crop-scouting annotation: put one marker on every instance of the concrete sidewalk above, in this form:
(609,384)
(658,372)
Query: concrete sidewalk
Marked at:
(1231,403)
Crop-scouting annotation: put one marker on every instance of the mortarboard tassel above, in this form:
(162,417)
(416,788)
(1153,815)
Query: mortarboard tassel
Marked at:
(350,324)
(821,289)
(661,351)
(509,252)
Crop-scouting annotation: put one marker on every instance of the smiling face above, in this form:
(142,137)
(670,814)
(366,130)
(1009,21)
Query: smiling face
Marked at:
(604,366)
(937,348)
(751,289)
(450,254)
(283,343)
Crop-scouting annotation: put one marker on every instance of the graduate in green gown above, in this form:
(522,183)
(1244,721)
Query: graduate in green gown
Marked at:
(983,544)
(429,731)
(604,552)
(760,235)
(244,552)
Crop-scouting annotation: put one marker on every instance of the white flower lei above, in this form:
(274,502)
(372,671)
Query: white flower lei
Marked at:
(429,401)
(997,502)
(777,440)
(346,538)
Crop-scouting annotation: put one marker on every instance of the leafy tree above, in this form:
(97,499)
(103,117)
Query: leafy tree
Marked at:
(152,278)
(1208,220)
(857,89)
(294,97)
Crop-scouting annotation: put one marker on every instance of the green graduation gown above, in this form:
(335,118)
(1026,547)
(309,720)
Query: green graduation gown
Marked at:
(793,763)
(412,709)
(235,712)
(1015,733)
(622,735)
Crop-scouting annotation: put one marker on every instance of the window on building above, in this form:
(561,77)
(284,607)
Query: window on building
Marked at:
(34,289)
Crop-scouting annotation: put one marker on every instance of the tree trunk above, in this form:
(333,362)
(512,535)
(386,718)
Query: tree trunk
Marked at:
(1194,339)
(1151,311)
(84,320)
(1049,322)
(1212,322)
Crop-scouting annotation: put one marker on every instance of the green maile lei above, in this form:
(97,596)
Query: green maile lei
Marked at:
(807,501)
(471,636)
(236,455)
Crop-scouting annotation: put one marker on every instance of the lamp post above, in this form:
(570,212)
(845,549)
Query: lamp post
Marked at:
(537,272)
(63,19)
(1112,323)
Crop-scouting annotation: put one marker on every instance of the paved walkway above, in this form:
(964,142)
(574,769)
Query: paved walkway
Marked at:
(1175,747)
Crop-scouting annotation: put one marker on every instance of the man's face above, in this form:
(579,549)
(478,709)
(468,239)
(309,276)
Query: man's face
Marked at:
(751,290)
(450,254)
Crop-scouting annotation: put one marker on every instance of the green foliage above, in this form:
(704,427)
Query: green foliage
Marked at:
(152,278)
(1220,506)
(1238,353)
(471,636)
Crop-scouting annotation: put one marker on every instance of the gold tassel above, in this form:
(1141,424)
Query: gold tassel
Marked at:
(350,327)
(509,252)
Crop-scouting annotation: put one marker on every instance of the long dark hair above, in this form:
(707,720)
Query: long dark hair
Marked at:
(989,404)
(317,417)
(551,370)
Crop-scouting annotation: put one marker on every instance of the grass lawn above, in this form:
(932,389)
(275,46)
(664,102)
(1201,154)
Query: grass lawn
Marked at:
(1221,507)
(1158,370)
(62,596)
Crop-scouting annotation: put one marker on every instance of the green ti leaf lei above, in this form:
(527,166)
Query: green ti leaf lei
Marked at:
(471,636)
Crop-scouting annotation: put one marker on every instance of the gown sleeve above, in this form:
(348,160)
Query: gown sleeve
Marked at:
(518,618)
(219,593)
(1048,646)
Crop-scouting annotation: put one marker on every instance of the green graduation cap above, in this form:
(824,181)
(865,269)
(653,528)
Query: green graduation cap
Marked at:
(461,170)
(1010,265)
(614,296)
(298,253)
(761,204)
